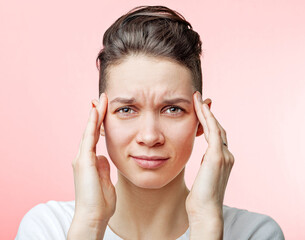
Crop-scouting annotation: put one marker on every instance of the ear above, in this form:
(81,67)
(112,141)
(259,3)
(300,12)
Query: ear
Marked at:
(199,130)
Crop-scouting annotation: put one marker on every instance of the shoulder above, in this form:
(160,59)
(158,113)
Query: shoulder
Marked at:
(50,220)
(244,224)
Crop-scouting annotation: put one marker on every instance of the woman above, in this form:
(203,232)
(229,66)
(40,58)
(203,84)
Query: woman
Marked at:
(150,110)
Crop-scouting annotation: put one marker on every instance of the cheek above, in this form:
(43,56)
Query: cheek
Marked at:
(184,129)
(118,130)
(182,136)
(117,137)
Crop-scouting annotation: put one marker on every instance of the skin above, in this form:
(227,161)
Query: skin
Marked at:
(156,202)
(150,128)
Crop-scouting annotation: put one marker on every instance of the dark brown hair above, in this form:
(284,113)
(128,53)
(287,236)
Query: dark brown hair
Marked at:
(155,31)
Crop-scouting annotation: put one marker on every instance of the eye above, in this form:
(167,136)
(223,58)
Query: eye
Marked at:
(124,110)
(174,109)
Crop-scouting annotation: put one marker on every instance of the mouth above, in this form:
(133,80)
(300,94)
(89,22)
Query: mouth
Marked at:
(151,158)
(149,162)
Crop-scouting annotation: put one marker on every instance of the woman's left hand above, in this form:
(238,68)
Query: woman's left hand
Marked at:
(205,200)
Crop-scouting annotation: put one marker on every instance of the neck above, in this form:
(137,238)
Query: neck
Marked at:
(142,212)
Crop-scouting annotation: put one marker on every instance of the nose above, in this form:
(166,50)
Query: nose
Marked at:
(150,132)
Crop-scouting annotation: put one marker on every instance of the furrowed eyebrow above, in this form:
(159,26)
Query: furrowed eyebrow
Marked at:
(133,100)
(123,100)
(176,100)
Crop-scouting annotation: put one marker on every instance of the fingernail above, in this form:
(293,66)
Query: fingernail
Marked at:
(92,102)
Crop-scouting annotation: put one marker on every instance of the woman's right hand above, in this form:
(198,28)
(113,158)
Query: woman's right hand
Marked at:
(95,196)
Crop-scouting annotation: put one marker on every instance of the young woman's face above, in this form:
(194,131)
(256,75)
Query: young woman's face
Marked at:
(151,113)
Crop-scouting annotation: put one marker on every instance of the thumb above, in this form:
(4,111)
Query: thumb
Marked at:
(103,168)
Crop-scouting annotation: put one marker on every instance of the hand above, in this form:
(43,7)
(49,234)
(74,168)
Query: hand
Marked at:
(205,200)
(95,197)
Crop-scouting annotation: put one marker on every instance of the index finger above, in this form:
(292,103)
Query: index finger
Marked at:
(91,134)
(102,108)
(200,116)
(88,140)
(215,140)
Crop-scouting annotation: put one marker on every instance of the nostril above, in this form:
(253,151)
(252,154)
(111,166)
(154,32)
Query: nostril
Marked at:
(150,138)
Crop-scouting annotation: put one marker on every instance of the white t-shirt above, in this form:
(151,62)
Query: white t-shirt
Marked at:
(52,220)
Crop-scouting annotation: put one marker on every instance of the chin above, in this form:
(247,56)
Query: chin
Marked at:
(148,180)
(152,183)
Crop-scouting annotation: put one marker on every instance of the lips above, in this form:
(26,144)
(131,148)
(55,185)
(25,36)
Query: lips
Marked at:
(150,158)
(150,162)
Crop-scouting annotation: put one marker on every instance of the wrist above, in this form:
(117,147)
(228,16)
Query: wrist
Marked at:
(210,218)
(83,229)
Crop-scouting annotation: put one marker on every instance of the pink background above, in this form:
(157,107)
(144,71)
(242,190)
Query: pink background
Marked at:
(253,67)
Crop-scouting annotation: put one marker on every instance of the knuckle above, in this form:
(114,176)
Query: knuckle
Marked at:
(217,131)
(232,160)
(75,161)
(227,159)
(74,164)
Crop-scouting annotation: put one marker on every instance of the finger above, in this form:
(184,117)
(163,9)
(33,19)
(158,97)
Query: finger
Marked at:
(200,116)
(223,133)
(103,167)
(102,108)
(215,140)
(88,143)
(79,148)
(94,102)
(198,102)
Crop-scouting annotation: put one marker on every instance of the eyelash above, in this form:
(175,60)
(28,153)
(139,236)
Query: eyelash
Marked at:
(169,107)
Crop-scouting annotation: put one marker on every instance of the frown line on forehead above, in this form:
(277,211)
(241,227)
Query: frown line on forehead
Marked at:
(133,100)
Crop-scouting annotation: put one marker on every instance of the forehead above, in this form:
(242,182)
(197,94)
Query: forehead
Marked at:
(145,75)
